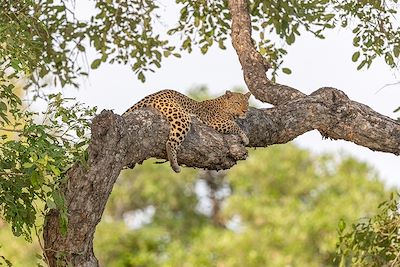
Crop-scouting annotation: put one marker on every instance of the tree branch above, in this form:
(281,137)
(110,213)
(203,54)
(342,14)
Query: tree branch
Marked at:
(329,111)
(253,64)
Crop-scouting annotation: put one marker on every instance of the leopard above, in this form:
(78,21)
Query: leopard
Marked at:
(219,113)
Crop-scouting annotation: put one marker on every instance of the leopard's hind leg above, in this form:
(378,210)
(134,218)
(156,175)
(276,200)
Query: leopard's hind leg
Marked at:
(179,122)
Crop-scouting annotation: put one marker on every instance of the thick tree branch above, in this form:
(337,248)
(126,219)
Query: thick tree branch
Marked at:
(332,113)
(253,64)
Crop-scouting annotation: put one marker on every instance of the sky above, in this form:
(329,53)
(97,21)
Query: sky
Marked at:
(314,63)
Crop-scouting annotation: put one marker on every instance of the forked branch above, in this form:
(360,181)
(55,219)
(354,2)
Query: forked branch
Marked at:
(328,110)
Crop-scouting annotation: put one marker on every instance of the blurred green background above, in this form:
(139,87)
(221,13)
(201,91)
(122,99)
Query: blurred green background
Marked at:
(280,207)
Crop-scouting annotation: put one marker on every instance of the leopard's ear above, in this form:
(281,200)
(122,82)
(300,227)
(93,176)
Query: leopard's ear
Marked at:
(228,93)
(248,94)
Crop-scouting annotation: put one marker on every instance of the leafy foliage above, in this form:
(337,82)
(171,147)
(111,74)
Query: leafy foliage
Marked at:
(42,38)
(122,31)
(373,241)
(375,31)
(277,21)
(34,164)
(202,23)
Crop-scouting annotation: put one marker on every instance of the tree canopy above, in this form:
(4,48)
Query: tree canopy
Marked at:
(46,37)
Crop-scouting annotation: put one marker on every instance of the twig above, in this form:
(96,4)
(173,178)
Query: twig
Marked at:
(11,130)
(41,247)
(395,260)
(386,85)
(11,173)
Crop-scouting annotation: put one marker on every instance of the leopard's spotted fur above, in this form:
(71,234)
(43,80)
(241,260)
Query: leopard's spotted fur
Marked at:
(218,113)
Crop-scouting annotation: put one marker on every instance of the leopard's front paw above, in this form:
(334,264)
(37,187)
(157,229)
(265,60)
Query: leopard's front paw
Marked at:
(245,139)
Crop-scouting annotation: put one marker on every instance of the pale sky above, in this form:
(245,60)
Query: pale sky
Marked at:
(314,63)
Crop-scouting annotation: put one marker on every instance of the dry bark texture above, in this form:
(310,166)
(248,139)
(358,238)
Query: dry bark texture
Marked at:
(117,143)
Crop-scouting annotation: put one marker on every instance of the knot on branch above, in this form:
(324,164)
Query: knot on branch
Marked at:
(336,102)
(330,94)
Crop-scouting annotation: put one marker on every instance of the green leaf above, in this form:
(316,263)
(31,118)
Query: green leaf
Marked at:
(50,204)
(58,199)
(95,64)
(389,59)
(362,64)
(55,170)
(204,49)
(27,165)
(63,221)
(342,225)
(286,71)
(35,179)
(3,107)
(290,39)
(141,77)
(329,17)
(80,47)
(4,117)
(356,41)
(221,44)
(396,51)
(355,56)
(166,53)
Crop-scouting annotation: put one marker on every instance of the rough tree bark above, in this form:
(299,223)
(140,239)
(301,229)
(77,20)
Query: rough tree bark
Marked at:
(117,143)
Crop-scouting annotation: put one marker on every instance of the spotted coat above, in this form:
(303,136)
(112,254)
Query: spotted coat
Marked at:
(218,113)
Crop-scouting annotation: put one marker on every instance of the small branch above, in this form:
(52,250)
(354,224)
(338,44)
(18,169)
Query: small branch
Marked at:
(11,130)
(11,173)
(395,260)
(41,246)
(387,85)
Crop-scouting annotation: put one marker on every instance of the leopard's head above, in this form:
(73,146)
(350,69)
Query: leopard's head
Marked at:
(236,104)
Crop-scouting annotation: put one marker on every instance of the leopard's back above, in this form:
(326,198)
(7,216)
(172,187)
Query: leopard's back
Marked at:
(165,101)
